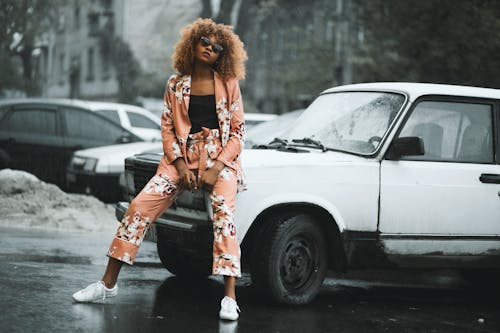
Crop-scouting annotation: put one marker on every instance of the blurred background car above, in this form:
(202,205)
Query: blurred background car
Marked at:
(97,171)
(252,119)
(138,120)
(100,171)
(265,132)
(40,135)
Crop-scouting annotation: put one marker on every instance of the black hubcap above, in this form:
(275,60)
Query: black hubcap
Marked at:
(298,263)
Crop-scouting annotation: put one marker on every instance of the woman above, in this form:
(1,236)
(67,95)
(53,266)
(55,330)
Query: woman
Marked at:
(202,130)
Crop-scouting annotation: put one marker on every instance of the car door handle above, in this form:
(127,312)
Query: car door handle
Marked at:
(77,147)
(490,178)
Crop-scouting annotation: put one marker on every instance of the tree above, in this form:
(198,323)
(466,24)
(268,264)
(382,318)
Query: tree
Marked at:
(21,23)
(128,69)
(442,41)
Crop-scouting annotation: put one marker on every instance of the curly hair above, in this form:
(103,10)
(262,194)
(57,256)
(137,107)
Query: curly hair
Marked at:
(231,61)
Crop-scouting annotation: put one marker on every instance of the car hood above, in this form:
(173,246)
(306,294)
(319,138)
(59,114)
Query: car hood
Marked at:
(112,158)
(258,158)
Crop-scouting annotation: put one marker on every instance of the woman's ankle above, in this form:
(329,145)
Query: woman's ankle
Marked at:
(109,284)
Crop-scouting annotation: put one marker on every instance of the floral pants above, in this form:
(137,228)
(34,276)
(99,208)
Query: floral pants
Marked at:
(160,192)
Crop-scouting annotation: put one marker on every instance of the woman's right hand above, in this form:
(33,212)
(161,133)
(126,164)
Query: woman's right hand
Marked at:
(187,179)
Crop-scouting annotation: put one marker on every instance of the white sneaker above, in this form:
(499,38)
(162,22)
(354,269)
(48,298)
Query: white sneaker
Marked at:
(229,309)
(94,292)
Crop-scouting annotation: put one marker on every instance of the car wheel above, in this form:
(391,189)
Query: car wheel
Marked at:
(181,264)
(293,261)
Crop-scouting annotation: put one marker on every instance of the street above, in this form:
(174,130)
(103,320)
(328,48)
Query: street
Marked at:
(39,271)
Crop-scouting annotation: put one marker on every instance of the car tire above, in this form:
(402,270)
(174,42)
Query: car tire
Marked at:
(292,262)
(181,264)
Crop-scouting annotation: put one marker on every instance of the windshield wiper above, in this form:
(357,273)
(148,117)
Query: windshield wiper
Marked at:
(277,142)
(310,141)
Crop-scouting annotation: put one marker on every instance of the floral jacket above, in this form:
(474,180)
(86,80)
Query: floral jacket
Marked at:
(175,123)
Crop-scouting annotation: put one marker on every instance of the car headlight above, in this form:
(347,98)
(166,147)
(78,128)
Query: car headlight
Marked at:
(87,164)
(90,164)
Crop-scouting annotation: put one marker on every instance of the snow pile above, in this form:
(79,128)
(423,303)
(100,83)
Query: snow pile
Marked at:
(26,201)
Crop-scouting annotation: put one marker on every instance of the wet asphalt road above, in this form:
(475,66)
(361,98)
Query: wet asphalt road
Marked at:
(40,270)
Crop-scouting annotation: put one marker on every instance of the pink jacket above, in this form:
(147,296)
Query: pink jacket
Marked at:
(175,123)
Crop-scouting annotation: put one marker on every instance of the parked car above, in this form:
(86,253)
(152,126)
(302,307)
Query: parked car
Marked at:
(252,119)
(100,171)
(380,175)
(265,132)
(40,135)
(139,121)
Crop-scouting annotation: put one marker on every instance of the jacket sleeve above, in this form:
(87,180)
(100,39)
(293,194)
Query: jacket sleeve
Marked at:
(235,143)
(171,148)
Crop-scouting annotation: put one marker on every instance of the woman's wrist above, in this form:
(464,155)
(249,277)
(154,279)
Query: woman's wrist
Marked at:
(180,164)
(218,165)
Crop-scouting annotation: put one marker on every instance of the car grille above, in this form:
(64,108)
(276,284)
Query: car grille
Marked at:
(143,171)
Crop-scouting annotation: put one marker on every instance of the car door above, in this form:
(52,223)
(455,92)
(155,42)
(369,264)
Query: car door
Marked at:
(445,203)
(31,138)
(143,126)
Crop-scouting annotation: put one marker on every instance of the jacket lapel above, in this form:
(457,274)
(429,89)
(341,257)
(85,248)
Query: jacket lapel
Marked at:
(221,108)
(186,91)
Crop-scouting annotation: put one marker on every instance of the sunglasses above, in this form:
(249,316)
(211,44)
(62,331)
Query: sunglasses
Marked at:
(217,48)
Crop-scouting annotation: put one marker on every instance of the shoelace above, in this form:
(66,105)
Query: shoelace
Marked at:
(102,289)
(236,304)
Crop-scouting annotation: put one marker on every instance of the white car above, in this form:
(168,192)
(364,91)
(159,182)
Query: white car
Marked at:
(99,171)
(139,121)
(378,175)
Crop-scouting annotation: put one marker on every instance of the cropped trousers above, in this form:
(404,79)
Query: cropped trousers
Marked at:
(159,194)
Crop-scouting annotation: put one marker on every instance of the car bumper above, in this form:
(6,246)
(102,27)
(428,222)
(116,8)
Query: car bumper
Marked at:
(103,186)
(190,232)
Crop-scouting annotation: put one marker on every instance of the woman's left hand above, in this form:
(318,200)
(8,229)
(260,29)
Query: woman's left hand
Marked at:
(209,177)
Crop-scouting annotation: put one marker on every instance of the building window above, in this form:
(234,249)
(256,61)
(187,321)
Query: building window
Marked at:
(106,70)
(61,68)
(93,18)
(107,4)
(90,65)
(76,16)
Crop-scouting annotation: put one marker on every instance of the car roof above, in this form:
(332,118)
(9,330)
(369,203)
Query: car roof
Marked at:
(70,102)
(110,105)
(415,90)
(259,116)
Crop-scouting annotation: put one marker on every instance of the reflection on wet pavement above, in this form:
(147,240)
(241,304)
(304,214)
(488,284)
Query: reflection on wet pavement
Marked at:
(40,271)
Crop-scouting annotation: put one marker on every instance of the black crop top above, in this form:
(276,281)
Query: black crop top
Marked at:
(202,112)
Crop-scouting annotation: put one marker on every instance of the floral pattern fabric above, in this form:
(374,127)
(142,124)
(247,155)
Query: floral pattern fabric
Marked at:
(176,124)
(200,150)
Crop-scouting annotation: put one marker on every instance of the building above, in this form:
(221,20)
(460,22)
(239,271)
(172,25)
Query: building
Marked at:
(79,60)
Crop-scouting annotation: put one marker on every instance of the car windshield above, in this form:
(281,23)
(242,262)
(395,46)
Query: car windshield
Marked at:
(354,122)
(265,132)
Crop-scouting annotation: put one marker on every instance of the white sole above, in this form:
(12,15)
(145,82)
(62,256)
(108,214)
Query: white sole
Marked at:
(226,316)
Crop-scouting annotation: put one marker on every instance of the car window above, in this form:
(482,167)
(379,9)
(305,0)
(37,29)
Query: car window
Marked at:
(87,125)
(350,121)
(31,121)
(111,115)
(452,131)
(138,120)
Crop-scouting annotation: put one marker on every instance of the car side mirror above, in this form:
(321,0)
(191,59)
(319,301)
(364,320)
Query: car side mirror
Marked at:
(405,146)
(124,138)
